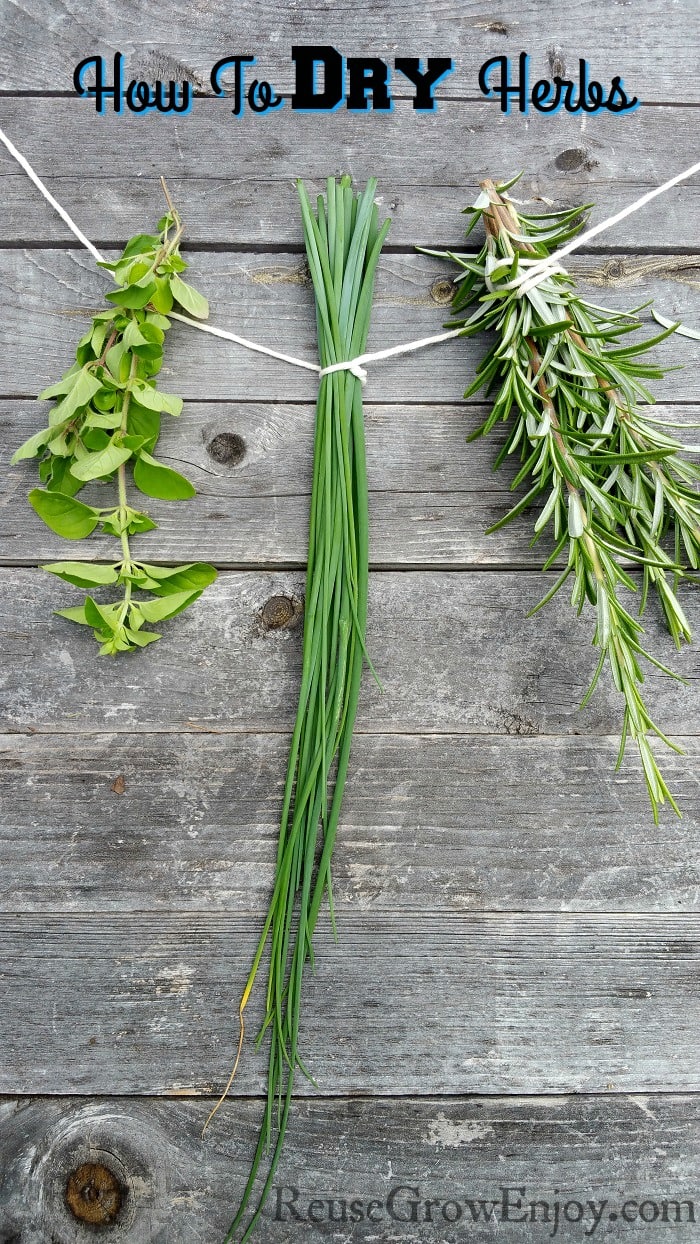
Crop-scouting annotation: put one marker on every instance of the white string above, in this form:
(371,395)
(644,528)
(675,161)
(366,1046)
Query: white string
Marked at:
(249,345)
(355,365)
(49,197)
(537,271)
(545,267)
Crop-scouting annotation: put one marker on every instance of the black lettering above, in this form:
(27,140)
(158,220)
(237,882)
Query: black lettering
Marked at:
(505,89)
(172,104)
(428,1207)
(653,1210)
(579,1211)
(368,75)
(410,67)
(100,90)
(554,90)
(666,1205)
(239,63)
(357,1211)
(618,101)
(455,1213)
(534,1206)
(412,1206)
(343,1211)
(482,1209)
(305,96)
(507,1204)
(138,97)
(315,1206)
(288,1205)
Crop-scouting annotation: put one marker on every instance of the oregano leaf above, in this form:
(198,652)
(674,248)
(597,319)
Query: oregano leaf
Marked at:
(31,447)
(83,574)
(64,515)
(167,606)
(156,480)
(192,301)
(96,466)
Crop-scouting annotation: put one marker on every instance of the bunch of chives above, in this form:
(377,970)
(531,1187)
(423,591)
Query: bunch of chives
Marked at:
(343,243)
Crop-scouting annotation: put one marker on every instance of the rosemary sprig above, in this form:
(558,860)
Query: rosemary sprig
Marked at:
(616,490)
(107,415)
(343,243)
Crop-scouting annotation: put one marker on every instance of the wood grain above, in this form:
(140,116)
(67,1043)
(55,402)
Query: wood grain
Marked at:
(115,823)
(40,49)
(233,180)
(432,495)
(456,653)
(496,1003)
(48,297)
(611,1150)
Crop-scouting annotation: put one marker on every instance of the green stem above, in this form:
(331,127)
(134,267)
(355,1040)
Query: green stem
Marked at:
(121,484)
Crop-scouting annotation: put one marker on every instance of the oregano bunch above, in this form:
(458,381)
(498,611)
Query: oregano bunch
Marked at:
(615,489)
(106,417)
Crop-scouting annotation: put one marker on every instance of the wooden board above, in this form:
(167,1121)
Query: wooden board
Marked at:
(604,1152)
(40,49)
(456,654)
(48,297)
(513,998)
(233,180)
(433,496)
(121,1003)
(440,824)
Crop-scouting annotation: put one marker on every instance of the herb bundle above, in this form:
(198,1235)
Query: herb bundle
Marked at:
(617,489)
(343,242)
(107,415)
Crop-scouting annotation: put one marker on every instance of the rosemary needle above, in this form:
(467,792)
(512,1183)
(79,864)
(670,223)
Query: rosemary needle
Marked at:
(615,489)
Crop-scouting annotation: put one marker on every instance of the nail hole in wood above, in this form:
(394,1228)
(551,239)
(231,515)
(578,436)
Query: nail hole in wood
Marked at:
(442,290)
(94,1194)
(228,448)
(277,612)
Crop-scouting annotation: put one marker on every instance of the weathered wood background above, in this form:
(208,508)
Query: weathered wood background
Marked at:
(513,1000)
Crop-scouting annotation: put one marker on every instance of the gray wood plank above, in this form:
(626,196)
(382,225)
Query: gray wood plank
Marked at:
(439,824)
(233,180)
(41,48)
(455,651)
(534,1003)
(48,295)
(603,1152)
(432,495)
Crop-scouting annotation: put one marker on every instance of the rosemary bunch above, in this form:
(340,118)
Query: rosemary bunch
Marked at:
(343,242)
(107,416)
(615,488)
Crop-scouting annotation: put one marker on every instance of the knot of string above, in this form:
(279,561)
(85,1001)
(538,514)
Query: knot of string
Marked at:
(531,273)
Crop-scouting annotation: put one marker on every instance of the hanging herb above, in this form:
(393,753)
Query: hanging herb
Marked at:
(616,488)
(343,242)
(107,416)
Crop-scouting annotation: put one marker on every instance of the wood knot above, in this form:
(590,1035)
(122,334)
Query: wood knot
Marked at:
(574,159)
(277,612)
(442,290)
(614,270)
(94,1194)
(228,448)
